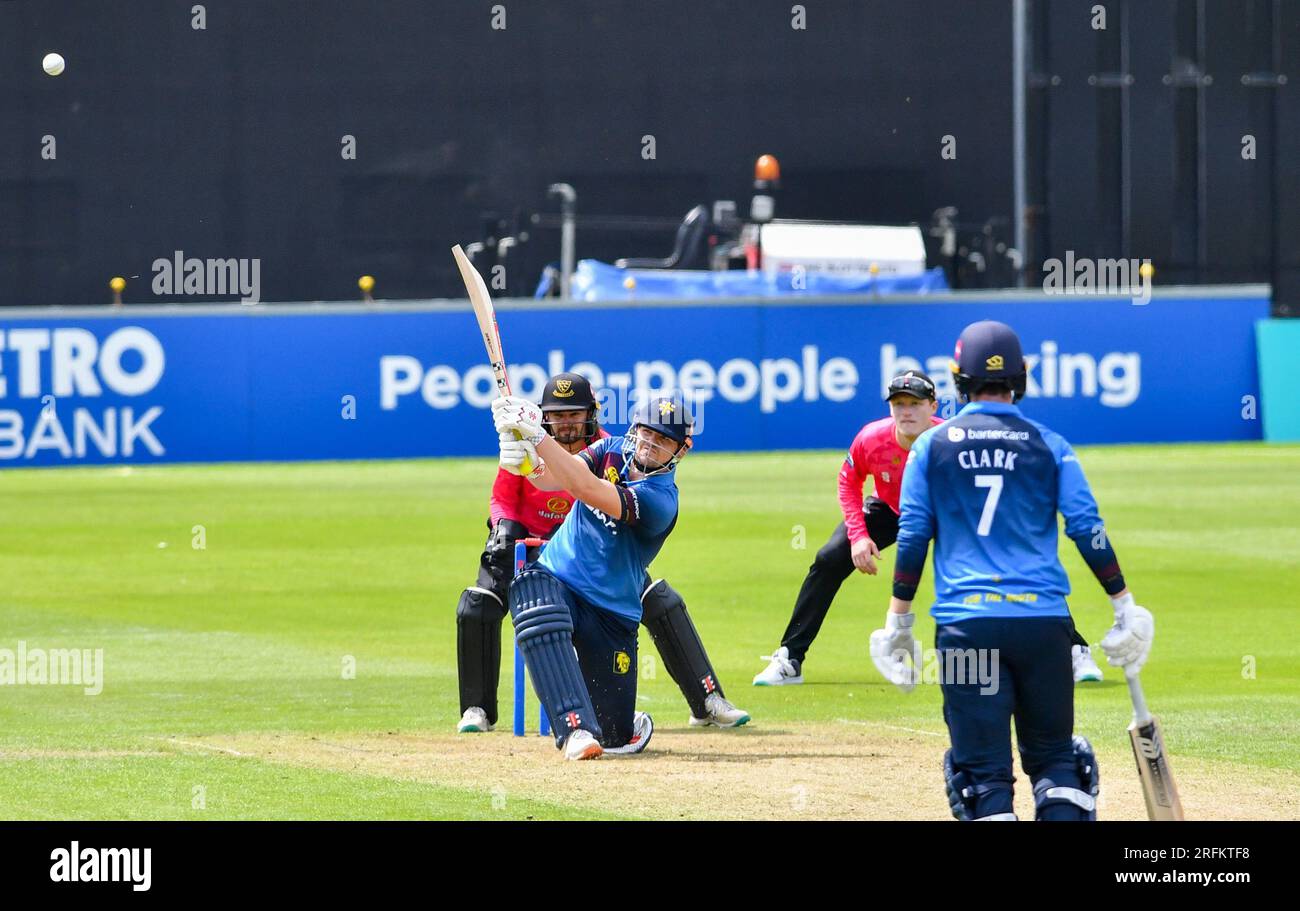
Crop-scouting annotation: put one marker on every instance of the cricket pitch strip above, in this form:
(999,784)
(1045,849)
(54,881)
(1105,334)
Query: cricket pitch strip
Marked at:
(840,770)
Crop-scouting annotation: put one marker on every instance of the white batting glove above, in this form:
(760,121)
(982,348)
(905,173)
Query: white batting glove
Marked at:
(1128,643)
(512,412)
(514,452)
(895,651)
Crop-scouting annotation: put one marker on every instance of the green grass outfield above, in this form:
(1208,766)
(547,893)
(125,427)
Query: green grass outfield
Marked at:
(308,564)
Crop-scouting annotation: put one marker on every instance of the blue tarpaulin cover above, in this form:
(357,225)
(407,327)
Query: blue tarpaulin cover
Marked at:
(597,281)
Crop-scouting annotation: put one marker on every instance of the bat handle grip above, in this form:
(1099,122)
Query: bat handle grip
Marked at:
(526,468)
(1141,714)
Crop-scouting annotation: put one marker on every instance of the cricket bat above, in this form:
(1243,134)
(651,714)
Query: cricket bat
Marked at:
(1158,786)
(486,315)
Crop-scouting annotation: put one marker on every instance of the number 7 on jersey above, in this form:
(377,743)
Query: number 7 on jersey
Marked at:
(994,483)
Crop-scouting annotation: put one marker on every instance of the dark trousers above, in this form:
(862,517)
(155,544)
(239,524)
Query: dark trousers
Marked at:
(606,646)
(832,565)
(1035,685)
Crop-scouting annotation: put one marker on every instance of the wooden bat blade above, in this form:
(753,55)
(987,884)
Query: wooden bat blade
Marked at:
(486,316)
(1158,787)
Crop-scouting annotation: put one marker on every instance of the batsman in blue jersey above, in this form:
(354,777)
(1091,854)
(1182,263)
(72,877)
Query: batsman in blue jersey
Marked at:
(986,487)
(577,608)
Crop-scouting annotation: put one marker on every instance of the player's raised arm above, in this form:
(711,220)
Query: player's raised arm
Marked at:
(558,469)
(573,473)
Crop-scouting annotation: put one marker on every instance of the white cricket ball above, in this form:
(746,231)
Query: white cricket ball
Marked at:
(52,64)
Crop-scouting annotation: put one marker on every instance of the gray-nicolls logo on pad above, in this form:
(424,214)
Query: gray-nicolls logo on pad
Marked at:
(76,864)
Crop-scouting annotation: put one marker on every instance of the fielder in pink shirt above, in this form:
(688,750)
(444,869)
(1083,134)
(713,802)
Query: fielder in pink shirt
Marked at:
(880,450)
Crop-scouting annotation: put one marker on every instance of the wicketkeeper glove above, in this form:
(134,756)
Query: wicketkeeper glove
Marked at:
(1128,643)
(499,552)
(504,535)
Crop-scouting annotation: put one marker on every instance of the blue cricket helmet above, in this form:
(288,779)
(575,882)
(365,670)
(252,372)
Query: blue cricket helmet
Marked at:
(664,414)
(988,355)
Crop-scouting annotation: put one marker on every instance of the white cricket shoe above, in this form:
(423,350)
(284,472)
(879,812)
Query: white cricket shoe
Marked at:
(721,713)
(582,745)
(642,727)
(474,721)
(780,671)
(1085,669)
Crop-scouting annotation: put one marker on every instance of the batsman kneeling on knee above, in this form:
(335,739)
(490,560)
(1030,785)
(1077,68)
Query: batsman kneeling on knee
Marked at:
(577,608)
(589,582)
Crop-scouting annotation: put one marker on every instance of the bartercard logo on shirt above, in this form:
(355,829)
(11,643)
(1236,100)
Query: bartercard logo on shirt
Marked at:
(956,434)
(997,434)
